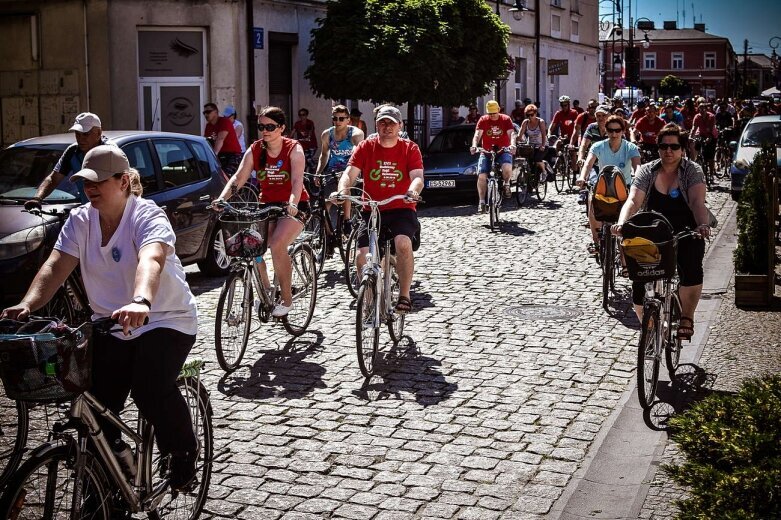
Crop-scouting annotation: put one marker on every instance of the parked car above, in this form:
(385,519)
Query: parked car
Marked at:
(448,165)
(179,172)
(758,130)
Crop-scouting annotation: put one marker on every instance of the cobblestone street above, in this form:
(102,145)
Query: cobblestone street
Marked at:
(478,413)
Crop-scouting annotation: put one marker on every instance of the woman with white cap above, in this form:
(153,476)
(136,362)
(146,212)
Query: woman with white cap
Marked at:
(124,246)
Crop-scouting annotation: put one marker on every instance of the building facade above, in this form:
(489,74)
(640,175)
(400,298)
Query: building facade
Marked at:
(705,62)
(144,64)
(757,71)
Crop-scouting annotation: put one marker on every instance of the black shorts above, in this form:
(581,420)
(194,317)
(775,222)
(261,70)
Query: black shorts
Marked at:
(691,252)
(230,162)
(393,222)
(707,148)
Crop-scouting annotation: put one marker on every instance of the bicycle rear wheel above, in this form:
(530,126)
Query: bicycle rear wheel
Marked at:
(186,504)
(351,274)
(43,487)
(14,423)
(395,320)
(304,287)
(648,357)
(672,345)
(233,320)
(367,326)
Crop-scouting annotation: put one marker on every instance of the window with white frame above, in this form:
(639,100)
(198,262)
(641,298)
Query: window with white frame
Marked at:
(649,60)
(677,60)
(710,60)
(575,28)
(555,23)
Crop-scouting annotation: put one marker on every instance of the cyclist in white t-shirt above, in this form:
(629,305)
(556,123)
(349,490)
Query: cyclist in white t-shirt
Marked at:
(124,246)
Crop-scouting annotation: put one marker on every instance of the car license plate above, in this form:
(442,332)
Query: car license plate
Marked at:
(447,183)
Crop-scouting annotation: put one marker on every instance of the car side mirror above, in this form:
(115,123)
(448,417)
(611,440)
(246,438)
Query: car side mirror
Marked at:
(733,145)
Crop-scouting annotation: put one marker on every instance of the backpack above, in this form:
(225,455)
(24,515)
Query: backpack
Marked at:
(609,194)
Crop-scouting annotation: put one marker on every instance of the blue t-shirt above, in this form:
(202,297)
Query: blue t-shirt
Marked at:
(340,151)
(70,163)
(622,158)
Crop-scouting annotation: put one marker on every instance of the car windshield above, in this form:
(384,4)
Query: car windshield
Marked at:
(758,133)
(452,141)
(22,168)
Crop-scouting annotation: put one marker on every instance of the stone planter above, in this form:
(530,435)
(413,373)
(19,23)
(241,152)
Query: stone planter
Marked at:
(753,290)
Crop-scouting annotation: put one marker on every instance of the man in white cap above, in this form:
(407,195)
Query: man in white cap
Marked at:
(89,134)
(390,165)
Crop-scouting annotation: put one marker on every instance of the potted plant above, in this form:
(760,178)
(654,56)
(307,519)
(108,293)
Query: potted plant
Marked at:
(754,265)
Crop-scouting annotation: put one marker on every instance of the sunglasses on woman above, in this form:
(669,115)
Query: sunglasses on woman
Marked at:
(340,118)
(665,146)
(268,128)
(614,130)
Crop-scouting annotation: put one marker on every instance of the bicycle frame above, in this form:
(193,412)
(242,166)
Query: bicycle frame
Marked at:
(377,269)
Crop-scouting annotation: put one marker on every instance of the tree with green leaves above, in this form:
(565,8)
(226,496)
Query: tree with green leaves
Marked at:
(435,52)
(672,85)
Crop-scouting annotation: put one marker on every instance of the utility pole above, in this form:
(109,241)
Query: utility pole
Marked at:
(745,67)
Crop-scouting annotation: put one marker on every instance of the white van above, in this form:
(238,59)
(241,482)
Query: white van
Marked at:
(625,93)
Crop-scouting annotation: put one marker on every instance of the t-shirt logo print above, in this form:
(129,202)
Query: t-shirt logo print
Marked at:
(274,174)
(388,172)
(494,131)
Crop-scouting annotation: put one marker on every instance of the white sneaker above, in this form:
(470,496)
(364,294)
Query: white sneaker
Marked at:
(280,311)
(481,208)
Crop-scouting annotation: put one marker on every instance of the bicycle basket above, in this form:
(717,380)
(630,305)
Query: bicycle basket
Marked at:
(46,366)
(526,151)
(243,236)
(606,209)
(649,247)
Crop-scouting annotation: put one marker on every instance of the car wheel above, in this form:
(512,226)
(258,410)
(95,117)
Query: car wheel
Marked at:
(217,261)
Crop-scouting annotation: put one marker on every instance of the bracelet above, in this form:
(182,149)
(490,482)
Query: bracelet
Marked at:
(292,205)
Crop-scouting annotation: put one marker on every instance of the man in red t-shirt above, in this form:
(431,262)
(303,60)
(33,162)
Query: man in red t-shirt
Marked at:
(389,165)
(582,121)
(563,120)
(647,127)
(304,132)
(493,129)
(222,136)
(704,125)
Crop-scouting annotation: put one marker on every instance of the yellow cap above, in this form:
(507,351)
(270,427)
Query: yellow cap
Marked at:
(492,107)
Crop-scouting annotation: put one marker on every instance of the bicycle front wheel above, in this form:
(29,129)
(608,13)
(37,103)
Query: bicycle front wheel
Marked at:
(351,274)
(233,320)
(542,189)
(44,487)
(522,187)
(648,355)
(492,201)
(317,228)
(672,344)
(367,327)
(608,256)
(304,288)
(560,175)
(13,435)
(186,504)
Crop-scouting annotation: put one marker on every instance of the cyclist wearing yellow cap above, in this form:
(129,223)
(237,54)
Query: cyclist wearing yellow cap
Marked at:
(493,129)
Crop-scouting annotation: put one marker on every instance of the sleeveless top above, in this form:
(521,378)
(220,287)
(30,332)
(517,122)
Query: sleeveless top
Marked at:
(274,178)
(535,134)
(340,151)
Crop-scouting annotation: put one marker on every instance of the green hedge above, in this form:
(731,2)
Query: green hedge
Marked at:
(732,447)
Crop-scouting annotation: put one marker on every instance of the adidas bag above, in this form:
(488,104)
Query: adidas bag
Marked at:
(609,194)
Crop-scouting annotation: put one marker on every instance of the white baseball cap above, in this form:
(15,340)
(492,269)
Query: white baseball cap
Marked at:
(85,122)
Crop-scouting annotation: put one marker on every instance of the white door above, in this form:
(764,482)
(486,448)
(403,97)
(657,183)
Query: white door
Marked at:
(171,106)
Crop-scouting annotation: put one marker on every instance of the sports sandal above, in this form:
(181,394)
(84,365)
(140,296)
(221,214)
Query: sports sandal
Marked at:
(593,249)
(685,332)
(404,305)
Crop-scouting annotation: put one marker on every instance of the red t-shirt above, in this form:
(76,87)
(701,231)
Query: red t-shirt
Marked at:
(637,115)
(688,117)
(305,133)
(649,128)
(231,142)
(583,120)
(566,121)
(704,126)
(386,171)
(495,132)
(275,179)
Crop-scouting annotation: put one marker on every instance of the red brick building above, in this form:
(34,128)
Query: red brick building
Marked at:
(706,62)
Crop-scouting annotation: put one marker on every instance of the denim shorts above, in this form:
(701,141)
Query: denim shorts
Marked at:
(484,163)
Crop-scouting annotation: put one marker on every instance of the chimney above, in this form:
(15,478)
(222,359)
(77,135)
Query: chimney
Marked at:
(670,25)
(699,27)
(645,25)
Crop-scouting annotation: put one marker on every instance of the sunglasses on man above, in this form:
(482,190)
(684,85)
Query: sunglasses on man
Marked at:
(340,118)
(671,146)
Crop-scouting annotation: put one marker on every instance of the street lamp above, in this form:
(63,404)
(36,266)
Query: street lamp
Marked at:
(633,58)
(518,8)
(774,42)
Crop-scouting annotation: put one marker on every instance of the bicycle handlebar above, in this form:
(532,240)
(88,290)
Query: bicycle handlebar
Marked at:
(504,149)
(246,212)
(374,203)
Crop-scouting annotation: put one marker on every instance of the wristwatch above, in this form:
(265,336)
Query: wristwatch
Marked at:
(142,301)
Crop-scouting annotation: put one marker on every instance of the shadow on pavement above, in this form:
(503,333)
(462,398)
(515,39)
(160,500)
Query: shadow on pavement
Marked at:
(545,204)
(200,283)
(510,227)
(620,308)
(404,370)
(690,385)
(279,373)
